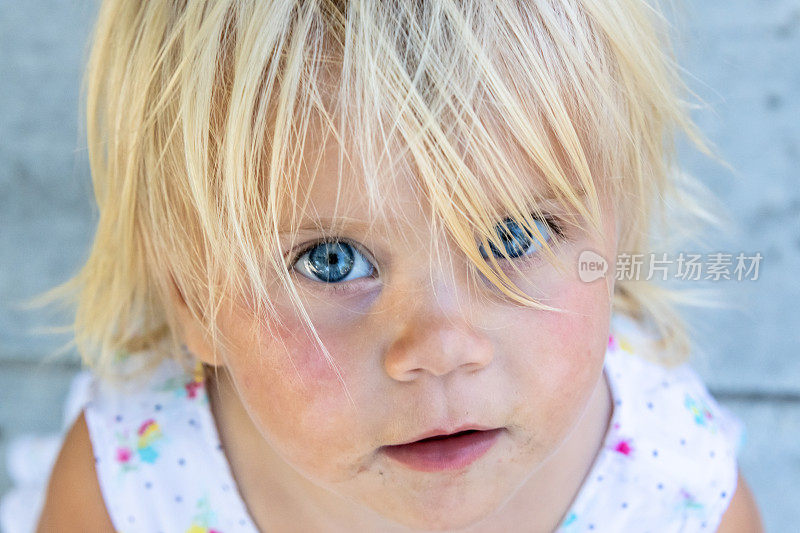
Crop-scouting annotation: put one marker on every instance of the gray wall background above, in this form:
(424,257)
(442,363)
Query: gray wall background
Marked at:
(742,57)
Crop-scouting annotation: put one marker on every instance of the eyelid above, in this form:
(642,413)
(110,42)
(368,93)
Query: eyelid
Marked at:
(298,251)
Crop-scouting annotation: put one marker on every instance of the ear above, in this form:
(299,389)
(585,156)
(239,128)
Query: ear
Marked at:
(192,332)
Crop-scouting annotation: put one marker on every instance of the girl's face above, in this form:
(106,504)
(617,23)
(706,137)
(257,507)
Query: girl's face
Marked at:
(418,349)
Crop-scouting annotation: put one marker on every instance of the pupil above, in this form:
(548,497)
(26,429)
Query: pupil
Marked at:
(331,261)
(516,240)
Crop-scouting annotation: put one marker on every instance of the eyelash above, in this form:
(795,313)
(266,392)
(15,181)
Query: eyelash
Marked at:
(522,262)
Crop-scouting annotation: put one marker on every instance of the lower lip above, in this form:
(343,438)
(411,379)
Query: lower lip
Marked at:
(451,453)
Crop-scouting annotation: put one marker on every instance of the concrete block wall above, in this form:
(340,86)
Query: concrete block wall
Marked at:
(742,57)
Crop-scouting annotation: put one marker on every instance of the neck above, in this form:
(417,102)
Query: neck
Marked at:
(280,499)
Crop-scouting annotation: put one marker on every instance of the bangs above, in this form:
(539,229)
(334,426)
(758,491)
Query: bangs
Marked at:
(472,100)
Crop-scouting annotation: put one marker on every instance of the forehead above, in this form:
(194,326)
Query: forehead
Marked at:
(337,186)
(372,172)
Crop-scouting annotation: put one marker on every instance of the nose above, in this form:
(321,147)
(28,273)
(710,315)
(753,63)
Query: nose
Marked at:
(437,339)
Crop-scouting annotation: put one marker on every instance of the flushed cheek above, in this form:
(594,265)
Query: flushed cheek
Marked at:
(559,362)
(342,335)
(339,327)
(300,405)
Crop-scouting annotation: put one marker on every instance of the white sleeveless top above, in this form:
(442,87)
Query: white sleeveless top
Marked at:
(668,462)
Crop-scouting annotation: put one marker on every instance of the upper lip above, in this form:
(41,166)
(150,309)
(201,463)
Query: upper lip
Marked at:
(442,432)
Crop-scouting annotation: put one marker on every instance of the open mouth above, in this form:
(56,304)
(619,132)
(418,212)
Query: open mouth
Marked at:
(444,452)
(454,435)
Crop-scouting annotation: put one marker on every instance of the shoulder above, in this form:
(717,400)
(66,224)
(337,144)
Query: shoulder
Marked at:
(742,515)
(73,485)
(671,432)
(668,401)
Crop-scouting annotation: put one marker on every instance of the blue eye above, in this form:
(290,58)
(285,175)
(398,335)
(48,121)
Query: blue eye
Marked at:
(519,241)
(332,262)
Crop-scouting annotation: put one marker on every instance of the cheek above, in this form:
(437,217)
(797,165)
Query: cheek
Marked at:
(296,398)
(322,371)
(560,362)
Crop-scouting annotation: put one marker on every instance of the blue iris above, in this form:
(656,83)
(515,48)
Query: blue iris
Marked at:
(330,261)
(516,239)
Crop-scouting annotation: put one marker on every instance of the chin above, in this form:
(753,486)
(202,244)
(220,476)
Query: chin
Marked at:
(445,513)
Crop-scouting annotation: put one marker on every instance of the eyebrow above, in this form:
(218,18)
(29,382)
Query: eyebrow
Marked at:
(328,224)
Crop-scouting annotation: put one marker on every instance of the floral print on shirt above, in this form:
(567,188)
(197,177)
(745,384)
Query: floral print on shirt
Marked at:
(205,519)
(700,412)
(141,447)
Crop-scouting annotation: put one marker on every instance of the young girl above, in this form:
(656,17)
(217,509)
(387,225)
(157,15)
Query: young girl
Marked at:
(335,283)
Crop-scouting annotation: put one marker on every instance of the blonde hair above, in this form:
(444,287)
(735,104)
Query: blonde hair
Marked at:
(196,114)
